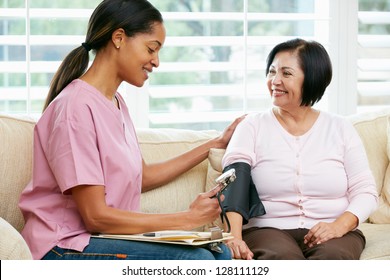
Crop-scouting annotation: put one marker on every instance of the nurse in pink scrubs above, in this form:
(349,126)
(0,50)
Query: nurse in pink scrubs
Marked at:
(88,171)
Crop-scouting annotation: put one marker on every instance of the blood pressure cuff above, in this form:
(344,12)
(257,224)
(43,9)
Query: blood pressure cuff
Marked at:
(241,196)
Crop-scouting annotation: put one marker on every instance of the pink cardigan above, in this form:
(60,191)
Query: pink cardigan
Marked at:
(306,179)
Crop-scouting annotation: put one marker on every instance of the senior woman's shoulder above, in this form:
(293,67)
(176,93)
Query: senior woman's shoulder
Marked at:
(336,120)
(259,116)
(334,117)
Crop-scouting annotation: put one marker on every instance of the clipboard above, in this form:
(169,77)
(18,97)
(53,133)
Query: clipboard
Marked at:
(191,238)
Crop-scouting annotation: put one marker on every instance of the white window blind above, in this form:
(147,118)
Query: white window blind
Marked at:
(373,55)
(213,62)
(34,38)
(212,67)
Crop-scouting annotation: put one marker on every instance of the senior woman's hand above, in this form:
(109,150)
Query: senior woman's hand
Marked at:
(323,231)
(239,249)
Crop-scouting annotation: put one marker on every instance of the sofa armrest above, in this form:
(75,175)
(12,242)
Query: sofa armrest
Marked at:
(12,244)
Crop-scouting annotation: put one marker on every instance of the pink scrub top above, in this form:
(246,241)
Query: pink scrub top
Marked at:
(81,139)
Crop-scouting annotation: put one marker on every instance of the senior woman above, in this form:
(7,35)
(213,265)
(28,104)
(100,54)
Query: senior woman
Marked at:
(309,168)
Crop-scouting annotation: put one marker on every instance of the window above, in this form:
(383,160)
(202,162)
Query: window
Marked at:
(373,55)
(213,63)
(34,38)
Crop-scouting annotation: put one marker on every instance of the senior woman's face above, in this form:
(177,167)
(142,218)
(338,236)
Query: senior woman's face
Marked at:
(285,80)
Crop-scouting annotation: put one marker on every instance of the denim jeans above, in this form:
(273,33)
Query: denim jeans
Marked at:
(115,249)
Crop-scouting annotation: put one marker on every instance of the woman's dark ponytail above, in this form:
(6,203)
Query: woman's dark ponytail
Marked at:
(72,67)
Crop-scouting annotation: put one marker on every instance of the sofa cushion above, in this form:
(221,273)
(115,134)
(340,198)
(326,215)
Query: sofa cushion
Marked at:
(377,241)
(214,170)
(16,138)
(161,144)
(373,129)
(12,244)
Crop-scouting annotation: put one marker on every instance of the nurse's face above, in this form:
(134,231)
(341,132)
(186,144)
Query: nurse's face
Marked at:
(139,55)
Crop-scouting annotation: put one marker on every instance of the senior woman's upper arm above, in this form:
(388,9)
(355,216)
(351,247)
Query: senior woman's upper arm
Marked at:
(242,143)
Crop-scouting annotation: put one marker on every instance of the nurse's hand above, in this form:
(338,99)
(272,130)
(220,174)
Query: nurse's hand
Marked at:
(205,209)
(223,140)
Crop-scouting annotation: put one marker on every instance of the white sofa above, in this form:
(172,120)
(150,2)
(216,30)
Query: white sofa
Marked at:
(159,144)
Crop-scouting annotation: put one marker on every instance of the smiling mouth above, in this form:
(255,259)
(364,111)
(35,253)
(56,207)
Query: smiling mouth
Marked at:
(147,71)
(279,92)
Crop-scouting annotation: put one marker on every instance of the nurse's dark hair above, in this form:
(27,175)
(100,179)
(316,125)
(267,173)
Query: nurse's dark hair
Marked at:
(315,64)
(134,16)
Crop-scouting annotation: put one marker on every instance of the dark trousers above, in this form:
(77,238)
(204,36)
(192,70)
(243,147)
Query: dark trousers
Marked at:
(275,244)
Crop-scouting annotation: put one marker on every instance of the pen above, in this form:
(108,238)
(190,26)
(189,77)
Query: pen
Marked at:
(150,234)
(170,234)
